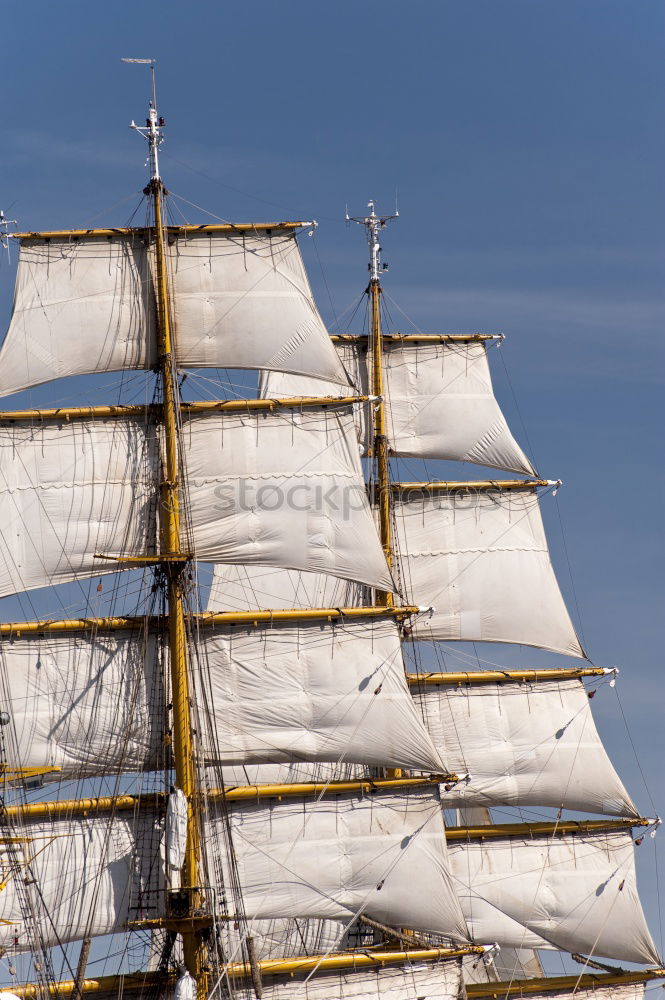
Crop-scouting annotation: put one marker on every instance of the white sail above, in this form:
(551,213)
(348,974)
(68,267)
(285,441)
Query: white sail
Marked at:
(86,705)
(384,856)
(597,991)
(442,981)
(80,306)
(176,829)
(280,774)
(312,692)
(290,496)
(69,491)
(481,561)
(353,359)
(282,489)
(577,893)
(91,706)
(285,938)
(380,855)
(242,300)
(246,588)
(439,401)
(87,305)
(82,878)
(505,965)
(523,744)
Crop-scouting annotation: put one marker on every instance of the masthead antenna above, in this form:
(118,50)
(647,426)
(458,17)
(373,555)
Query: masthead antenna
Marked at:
(4,231)
(373,223)
(152,130)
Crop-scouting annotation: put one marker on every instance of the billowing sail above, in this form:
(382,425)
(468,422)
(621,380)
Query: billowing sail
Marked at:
(380,855)
(576,893)
(91,706)
(442,981)
(312,692)
(241,298)
(80,306)
(481,561)
(523,744)
(286,938)
(353,358)
(439,401)
(81,877)
(87,305)
(383,855)
(69,491)
(282,489)
(291,495)
(86,705)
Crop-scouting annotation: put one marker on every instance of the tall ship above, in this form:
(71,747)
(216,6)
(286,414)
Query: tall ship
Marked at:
(244,749)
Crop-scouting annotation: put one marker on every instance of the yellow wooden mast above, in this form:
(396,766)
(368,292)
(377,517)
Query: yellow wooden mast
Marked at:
(141,232)
(137,982)
(373,223)
(174,565)
(155,410)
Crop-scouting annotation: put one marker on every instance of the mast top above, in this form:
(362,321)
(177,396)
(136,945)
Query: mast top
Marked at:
(5,223)
(152,130)
(373,223)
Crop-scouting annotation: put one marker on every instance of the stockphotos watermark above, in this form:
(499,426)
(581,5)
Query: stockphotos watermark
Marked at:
(337,501)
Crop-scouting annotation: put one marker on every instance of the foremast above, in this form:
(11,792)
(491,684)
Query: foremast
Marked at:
(174,567)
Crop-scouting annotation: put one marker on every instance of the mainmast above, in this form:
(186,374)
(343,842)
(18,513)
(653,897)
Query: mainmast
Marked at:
(373,223)
(175,563)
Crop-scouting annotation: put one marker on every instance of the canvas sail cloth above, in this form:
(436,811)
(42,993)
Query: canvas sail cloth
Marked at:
(577,893)
(286,938)
(282,489)
(381,855)
(291,495)
(426,982)
(507,964)
(88,305)
(482,562)
(279,774)
(91,875)
(442,981)
(598,991)
(68,491)
(439,399)
(93,706)
(315,692)
(516,744)
(86,705)
(523,744)
(384,855)
(241,588)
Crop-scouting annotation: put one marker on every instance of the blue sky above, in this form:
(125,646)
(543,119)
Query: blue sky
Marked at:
(525,140)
